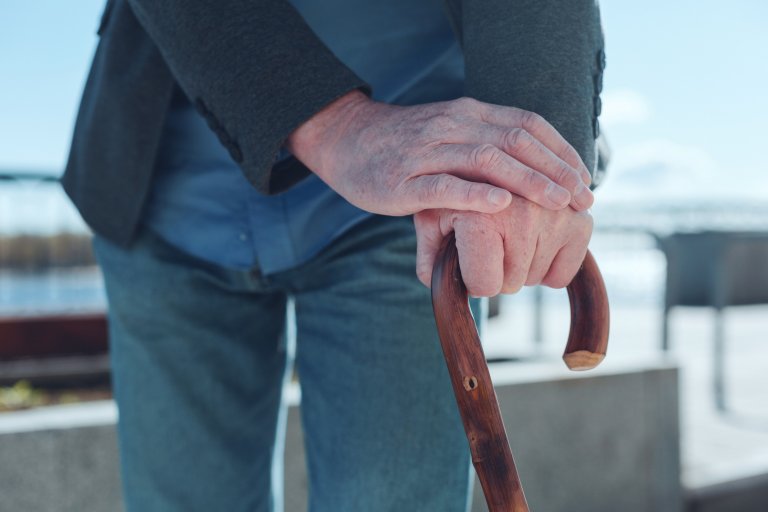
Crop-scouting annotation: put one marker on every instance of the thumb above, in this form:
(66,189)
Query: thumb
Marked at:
(447,191)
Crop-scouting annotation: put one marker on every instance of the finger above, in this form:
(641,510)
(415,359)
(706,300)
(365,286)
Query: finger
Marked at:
(447,191)
(567,262)
(481,255)
(524,147)
(565,265)
(543,256)
(487,163)
(518,254)
(540,128)
(428,241)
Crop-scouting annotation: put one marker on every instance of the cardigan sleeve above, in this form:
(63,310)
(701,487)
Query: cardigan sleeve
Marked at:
(254,70)
(545,56)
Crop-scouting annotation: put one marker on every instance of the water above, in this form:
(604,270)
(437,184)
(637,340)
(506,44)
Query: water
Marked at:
(55,291)
(632,268)
(623,245)
(42,208)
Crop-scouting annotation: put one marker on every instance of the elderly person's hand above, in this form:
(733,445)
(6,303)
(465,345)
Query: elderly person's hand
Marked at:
(461,154)
(523,245)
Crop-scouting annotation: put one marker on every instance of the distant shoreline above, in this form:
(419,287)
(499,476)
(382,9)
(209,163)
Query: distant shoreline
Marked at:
(31,253)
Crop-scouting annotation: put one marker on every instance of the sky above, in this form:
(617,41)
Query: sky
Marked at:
(685,102)
(45,49)
(686,99)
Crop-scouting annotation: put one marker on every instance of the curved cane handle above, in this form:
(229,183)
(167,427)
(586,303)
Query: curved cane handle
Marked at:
(590,318)
(471,380)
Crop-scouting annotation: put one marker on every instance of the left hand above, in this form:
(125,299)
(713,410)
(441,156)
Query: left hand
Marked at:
(524,244)
(460,154)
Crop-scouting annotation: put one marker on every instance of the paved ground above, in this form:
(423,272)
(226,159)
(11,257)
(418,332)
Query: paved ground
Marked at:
(715,447)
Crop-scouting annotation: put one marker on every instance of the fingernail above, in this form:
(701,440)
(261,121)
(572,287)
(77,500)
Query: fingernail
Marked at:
(498,197)
(558,194)
(583,196)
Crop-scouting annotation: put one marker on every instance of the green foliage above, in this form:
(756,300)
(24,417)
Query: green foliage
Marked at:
(20,396)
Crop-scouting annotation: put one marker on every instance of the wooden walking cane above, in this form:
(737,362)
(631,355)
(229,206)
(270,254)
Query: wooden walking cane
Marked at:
(587,343)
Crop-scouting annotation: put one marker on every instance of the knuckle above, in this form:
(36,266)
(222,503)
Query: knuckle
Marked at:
(518,140)
(568,177)
(485,157)
(530,120)
(440,124)
(533,182)
(436,188)
(569,154)
(472,191)
(466,104)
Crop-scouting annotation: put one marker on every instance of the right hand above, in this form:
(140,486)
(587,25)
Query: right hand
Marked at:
(461,154)
(522,245)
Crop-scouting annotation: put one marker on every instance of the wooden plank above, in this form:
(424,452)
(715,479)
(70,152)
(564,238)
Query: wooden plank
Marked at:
(53,335)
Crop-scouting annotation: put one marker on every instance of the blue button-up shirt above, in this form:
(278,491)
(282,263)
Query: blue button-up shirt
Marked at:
(202,203)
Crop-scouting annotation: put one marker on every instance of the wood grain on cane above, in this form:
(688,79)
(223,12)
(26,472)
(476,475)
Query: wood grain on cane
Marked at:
(471,380)
(588,338)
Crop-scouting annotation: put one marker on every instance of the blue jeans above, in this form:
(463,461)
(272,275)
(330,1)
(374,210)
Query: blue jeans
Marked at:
(199,361)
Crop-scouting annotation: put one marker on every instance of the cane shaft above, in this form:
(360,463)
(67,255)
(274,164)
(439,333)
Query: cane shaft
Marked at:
(471,380)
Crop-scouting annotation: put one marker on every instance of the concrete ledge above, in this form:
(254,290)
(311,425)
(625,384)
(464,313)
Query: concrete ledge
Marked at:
(58,417)
(63,469)
(598,441)
(605,440)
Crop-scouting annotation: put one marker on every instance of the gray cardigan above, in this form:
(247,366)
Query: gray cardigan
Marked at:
(256,71)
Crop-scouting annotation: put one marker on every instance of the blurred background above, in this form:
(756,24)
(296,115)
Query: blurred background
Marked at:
(681,236)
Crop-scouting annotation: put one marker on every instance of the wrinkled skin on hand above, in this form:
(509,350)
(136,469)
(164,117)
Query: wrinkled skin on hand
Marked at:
(461,154)
(514,191)
(524,244)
